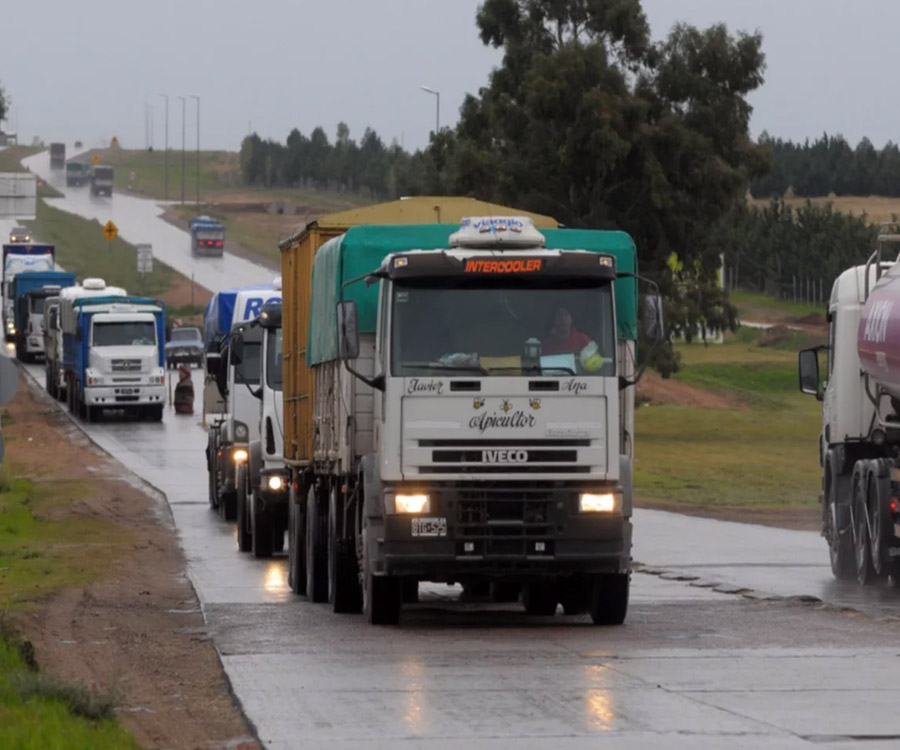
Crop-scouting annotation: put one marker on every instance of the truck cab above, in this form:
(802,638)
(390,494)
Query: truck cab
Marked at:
(234,377)
(77,173)
(262,482)
(207,236)
(21,258)
(101,179)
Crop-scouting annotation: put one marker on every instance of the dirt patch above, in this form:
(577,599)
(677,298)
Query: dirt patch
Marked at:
(138,635)
(653,389)
(800,520)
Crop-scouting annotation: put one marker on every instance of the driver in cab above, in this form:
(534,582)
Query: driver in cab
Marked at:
(564,337)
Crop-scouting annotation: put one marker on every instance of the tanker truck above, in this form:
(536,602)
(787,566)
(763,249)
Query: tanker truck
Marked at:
(859,445)
(469,414)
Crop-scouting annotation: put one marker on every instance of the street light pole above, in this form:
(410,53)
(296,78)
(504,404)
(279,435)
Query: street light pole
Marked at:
(437,95)
(183,101)
(194,96)
(166,152)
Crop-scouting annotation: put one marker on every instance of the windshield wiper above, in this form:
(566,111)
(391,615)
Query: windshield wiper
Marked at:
(439,366)
(534,369)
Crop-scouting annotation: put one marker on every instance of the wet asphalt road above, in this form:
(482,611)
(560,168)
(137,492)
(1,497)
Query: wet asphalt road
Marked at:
(694,667)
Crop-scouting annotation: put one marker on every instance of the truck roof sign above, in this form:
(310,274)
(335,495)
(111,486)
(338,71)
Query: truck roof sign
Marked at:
(497,231)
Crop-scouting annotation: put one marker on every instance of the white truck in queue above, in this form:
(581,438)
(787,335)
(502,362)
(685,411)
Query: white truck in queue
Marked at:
(230,408)
(54,373)
(18,258)
(262,480)
(473,415)
(859,446)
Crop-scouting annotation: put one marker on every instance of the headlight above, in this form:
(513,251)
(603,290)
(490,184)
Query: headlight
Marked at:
(239,456)
(412,503)
(240,431)
(276,483)
(93,378)
(590,502)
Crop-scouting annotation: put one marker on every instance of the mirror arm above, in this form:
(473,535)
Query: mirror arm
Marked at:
(377,382)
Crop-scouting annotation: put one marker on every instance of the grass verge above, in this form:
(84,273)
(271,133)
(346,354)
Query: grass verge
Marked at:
(11,157)
(786,307)
(761,456)
(82,249)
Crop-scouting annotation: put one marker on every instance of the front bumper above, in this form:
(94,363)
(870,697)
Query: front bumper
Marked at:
(505,531)
(116,396)
(34,345)
(184,356)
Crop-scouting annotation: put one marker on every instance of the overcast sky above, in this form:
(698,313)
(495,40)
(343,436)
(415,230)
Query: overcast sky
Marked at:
(85,69)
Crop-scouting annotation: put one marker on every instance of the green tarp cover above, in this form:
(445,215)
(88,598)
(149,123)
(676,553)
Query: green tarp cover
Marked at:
(362,249)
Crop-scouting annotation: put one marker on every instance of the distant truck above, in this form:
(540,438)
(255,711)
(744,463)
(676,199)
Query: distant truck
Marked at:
(57,155)
(101,178)
(229,389)
(859,443)
(30,290)
(77,174)
(18,259)
(55,374)
(207,236)
(262,481)
(455,433)
(114,356)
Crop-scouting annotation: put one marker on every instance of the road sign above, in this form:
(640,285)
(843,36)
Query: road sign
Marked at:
(144,258)
(114,141)
(95,159)
(132,176)
(110,230)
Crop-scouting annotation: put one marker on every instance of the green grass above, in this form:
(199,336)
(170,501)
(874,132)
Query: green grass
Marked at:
(40,555)
(760,456)
(11,158)
(83,249)
(795,309)
(38,712)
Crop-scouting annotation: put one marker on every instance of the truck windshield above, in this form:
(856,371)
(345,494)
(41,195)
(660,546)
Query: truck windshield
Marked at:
(126,333)
(274,356)
(37,305)
(186,336)
(248,370)
(103,174)
(498,329)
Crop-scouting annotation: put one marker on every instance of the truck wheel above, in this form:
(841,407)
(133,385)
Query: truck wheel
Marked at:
(316,550)
(244,533)
(540,598)
(296,551)
(865,571)
(574,595)
(211,464)
(840,543)
(881,526)
(608,602)
(228,506)
(343,570)
(262,528)
(155,412)
(383,599)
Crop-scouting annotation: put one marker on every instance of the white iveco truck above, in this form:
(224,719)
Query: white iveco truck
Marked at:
(473,416)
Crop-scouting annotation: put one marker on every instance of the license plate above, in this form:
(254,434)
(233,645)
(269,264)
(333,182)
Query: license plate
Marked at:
(128,391)
(429,527)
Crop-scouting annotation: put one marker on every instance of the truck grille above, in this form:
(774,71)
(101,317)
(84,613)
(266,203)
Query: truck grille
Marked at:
(126,365)
(504,456)
(501,522)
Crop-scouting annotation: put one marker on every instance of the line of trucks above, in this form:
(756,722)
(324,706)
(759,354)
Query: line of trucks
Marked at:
(436,402)
(102,348)
(79,173)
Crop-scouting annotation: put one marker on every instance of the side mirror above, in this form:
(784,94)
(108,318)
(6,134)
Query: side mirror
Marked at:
(52,320)
(237,349)
(348,330)
(808,361)
(213,362)
(654,327)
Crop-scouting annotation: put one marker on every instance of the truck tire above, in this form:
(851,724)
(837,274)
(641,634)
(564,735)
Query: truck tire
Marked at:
(410,590)
(316,549)
(211,471)
(865,571)
(880,524)
(296,547)
(344,594)
(383,599)
(840,542)
(244,532)
(262,528)
(228,506)
(608,602)
(540,598)
(574,595)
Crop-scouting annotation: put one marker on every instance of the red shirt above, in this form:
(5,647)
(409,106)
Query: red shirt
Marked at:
(575,343)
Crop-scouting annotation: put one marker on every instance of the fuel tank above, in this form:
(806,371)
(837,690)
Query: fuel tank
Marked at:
(878,337)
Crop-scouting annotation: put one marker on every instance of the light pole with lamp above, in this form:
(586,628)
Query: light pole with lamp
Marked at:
(437,95)
(194,96)
(166,152)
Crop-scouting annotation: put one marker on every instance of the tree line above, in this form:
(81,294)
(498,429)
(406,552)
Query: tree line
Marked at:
(828,165)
